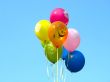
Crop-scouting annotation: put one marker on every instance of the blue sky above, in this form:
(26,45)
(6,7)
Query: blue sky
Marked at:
(21,55)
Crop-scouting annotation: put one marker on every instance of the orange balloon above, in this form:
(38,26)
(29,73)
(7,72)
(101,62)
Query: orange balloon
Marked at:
(57,33)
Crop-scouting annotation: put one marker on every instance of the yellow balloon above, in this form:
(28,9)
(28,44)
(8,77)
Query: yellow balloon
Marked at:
(41,29)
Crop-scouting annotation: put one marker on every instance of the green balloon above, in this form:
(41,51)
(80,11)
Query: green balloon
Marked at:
(51,52)
(43,43)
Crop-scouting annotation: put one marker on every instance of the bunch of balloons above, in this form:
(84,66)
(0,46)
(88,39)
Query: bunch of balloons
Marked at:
(59,42)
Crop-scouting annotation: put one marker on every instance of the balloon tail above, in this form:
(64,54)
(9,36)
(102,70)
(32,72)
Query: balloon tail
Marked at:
(64,80)
(61,71)
(63,74)
(50,71)
(47,63)
(68,60)
(57,67)
(47,71)
(54,80)
(64,77)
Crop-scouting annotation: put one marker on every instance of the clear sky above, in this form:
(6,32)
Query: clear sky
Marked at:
(22,57)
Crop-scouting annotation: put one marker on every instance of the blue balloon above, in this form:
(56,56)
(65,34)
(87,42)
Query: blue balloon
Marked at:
(64,53)
(75,61)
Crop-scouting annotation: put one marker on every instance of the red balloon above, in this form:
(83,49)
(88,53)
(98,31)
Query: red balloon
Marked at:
(59,14)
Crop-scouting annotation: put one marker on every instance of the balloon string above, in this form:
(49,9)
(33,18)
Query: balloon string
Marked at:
(47,71)
(61,71)
(63,75)
(46,62)
(68,59)
(57,67)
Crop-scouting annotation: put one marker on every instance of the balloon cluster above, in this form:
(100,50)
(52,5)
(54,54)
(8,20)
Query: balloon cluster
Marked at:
(59,42)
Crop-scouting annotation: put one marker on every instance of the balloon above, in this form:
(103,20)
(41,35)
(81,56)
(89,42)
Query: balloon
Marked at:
(43,43)
(51,52)
(64,53)
(75,61)
(41,29)
(57,33)
(59,14)
(72,41)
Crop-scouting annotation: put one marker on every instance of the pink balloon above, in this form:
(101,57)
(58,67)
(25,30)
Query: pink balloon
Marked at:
(59,14)
(72,41)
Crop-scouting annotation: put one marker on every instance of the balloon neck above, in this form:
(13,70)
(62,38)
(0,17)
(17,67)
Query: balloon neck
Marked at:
(46,41)
(57,46)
